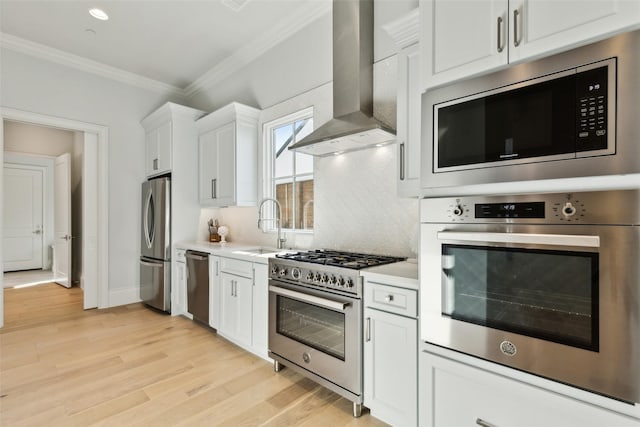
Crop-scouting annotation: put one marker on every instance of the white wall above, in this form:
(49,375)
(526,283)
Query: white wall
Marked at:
(35,85)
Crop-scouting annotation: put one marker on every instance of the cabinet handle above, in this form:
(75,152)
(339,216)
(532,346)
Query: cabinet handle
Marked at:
(367,332)
(388,298)
(233,288)
(217,272)
(214,189)
(402,161)
(516,42)
(483,423)
(500,46)
(253,276)
(155,164)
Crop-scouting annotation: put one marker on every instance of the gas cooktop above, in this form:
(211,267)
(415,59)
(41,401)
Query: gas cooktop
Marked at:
(355,261)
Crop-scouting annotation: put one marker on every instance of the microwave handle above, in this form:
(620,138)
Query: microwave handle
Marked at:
(524,238)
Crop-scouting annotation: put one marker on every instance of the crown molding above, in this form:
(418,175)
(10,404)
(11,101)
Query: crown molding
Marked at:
(87,65)
(253,50)
(405,30)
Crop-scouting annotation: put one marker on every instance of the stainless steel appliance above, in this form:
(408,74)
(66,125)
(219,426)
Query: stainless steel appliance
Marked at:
(198,285)
(155,244)
(569,115)
(548,284)
(315,317)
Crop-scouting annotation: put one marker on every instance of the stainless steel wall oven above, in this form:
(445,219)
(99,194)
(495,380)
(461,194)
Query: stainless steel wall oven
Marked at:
(548,284)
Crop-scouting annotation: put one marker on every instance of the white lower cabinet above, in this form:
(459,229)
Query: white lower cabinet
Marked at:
(214,291)
(179,284)
(391,354)
(455,394)
(239,302)
(236,308)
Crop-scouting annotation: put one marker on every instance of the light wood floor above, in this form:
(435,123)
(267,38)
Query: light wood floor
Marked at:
(60,365)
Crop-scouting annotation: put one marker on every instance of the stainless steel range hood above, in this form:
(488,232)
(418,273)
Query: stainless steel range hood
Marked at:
(353,126)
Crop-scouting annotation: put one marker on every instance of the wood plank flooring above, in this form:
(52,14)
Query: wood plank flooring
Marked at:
(125,366)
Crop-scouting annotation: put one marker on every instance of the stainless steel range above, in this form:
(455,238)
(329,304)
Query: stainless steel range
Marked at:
(315,317)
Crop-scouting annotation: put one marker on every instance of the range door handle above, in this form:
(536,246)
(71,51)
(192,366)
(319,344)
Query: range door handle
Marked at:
(311,299)
(523,238)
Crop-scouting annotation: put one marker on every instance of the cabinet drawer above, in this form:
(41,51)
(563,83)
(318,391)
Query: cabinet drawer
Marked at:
(392,299)
(237,267)
(180,255)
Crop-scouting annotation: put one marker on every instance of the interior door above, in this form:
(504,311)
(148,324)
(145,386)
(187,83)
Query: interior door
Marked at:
(23,215)
(62,220)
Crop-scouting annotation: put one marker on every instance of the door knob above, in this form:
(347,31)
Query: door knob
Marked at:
(66,237)
(38,231)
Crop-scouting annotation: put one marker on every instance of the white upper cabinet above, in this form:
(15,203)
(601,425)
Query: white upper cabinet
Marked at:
(405,34)
(462,39)
(228,163)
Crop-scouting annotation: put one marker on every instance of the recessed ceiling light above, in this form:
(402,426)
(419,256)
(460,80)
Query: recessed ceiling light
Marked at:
(99,14)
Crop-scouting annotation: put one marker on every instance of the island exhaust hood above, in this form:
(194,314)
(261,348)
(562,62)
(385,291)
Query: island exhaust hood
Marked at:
(353,126)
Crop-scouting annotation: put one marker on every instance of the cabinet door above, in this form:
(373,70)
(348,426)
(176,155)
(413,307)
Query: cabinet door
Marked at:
(545,27)
(391,367)
(244,310)
(260,308)
(208,166)
(217,166)
(226,154)
(179,292)
(456,394)
(151,152)
(462,38)
(164,142)
(409,118)
(228,305)
(214,291)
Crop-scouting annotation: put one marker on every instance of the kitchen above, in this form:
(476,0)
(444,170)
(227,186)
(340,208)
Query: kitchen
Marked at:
(383,219)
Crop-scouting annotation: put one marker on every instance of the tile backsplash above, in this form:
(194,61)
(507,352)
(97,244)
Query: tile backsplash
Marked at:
(356,209)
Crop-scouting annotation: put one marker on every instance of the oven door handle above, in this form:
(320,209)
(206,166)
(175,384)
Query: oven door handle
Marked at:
(311,299)
(524,238)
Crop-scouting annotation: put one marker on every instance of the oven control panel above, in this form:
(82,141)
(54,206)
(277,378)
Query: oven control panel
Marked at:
(342,280)
(594,207)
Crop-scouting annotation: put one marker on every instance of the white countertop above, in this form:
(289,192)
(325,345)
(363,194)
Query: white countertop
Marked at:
(232,250)
(402,273)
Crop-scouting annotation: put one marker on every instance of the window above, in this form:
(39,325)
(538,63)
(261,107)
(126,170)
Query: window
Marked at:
(289,175)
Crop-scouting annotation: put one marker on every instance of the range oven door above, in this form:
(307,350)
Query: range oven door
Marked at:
(318,331)
(557,301)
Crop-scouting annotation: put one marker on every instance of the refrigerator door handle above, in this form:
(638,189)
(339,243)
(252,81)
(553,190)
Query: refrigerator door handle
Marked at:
(149,219)
(151,264)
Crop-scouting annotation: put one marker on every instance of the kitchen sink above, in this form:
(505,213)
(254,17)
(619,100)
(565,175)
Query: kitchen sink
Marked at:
(261,251)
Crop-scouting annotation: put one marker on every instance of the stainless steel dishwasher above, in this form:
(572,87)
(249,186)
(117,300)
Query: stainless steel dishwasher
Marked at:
(198,285)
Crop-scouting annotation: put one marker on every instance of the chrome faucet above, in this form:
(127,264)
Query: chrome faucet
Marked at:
(278,220)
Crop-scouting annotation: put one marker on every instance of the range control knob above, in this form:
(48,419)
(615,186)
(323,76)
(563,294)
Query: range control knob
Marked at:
(309,276)
(349,283)
(340,282)
(324,278)
(316,277)
(283,272)
(295,273)
(568,210)
(458,210)
(274,270)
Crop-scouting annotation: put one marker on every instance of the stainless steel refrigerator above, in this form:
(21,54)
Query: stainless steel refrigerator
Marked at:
(155,244)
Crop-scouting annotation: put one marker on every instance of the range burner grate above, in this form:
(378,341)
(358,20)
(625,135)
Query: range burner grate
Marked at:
(342,259)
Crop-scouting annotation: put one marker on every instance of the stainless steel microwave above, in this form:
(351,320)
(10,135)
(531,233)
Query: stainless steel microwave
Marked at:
(569,115)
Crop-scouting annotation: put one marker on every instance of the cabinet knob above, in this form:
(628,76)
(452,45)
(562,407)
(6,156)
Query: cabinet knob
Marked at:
(388,298)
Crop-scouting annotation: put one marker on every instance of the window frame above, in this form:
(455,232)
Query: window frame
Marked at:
(268,167)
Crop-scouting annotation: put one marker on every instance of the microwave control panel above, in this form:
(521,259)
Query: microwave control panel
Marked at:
(591,109)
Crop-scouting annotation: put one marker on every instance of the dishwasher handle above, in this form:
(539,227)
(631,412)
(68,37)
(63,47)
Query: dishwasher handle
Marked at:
(198,256)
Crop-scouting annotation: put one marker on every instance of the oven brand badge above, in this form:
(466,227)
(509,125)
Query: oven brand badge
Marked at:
(508,348)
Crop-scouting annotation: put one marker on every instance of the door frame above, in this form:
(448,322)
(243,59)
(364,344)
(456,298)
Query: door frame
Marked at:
(98,245)
(45,205)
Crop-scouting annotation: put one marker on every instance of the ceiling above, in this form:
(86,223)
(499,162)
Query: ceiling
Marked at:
(177,43)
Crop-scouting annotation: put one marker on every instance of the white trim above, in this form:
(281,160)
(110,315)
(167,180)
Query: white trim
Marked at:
(253,50)
(102,133)
(87,65)
(124,296)
(405,31)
